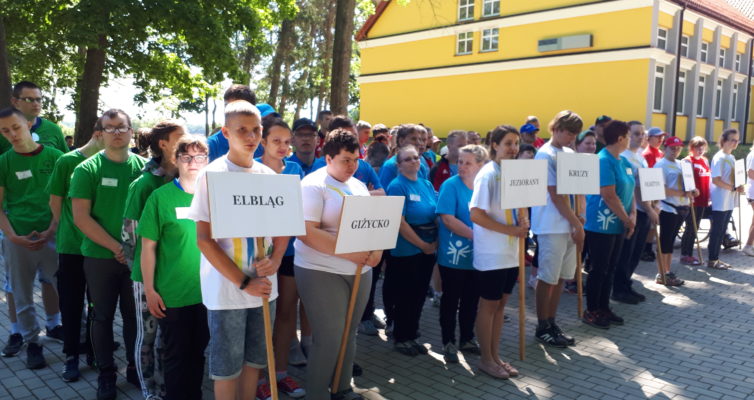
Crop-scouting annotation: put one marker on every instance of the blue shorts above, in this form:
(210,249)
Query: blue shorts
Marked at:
(236,340)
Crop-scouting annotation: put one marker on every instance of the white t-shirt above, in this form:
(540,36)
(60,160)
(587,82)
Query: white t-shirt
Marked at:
(673,180)
(492,250)
(750,167)
(723,166)
(218,293)
(323,200)
(547,219)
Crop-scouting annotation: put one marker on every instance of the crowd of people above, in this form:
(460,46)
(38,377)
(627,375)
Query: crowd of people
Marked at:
(123,222)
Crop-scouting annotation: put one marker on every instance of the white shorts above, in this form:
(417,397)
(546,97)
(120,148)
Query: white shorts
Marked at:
(556,257)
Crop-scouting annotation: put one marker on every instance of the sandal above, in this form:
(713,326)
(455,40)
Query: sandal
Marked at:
(512,371)
(495,371)
(717,264)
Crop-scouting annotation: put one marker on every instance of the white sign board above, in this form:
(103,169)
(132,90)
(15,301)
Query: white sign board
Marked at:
(578,173)
(255,205)
(740,176)
(652,183)
(688,176)
(369,223)
(523,183)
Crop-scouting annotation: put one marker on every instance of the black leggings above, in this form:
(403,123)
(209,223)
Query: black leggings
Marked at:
(459,297)
(670,224)
(688,240)
(604,250)
(184,337)
(408,278)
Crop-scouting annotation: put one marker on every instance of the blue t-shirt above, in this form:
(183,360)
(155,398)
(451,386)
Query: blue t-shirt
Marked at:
(389,170)
(453,250)
(218,147)
(418,208)
(308,169)
(365,173)
(291,168)
(613,171)
(431,154)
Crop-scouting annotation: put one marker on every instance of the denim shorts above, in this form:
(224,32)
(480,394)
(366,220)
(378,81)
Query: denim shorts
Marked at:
(236,340)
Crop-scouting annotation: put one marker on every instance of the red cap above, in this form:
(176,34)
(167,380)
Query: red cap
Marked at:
(673,141)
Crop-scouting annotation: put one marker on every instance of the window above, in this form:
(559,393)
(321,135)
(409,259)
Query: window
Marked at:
(703,53)
(659,82)
(662,38)
(465,10)
(465,43)
(684,46)
(721,60)
(679,106)
(719,99)
(700,97)
(489,39)
(490,8)
(738,63)
(734,102)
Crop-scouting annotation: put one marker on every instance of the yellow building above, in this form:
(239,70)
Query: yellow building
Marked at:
(475,64)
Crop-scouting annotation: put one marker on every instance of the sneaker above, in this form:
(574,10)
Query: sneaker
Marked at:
(436,299)
(71,370)
(690,260)
(296,355)
(420,349)
(626,298)
(34,357)
(405,348)
(638,295)
(291,388)
(469,346)
(450,353)
(356,370)
(595,319)
(14,345)
(672,280)
(106,389)
(659,280)
(648,255)
(612,318)
(132,376)
(730,241)
(549,337)
(532,281)
(367,328)
(748,250)
(264,392)
(55,334)
(569,340)
(378,322)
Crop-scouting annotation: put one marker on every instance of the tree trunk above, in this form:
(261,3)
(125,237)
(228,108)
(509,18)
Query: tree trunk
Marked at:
(281,53)
(5,82)
(326,56)
(341,56)
(286,92)
(89,85)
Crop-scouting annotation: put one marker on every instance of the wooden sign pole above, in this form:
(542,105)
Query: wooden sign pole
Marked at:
(696,233)
(271,372)
(346,329)
(521,293)
(577,276)
(659,256)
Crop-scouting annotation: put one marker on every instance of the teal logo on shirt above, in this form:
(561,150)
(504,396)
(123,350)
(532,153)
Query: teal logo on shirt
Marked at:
(456,250)
(606,218)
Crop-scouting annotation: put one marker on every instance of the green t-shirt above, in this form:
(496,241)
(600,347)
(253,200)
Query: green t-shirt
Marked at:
(68,237)
(24,178)
(105,183)
(44,132)
(165,220)
(138,193)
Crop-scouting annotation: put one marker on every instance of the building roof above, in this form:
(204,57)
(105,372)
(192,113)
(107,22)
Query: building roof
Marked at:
(362,33)
(746,7)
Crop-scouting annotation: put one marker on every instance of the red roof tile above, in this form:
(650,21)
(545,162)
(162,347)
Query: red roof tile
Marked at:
(723,12)
(362,34)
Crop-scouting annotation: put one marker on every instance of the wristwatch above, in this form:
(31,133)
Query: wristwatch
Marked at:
(245,283)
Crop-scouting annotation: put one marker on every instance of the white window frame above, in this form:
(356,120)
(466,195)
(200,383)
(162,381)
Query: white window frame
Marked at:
(721,59)
(737,62)
(734,102)
(468,42)
(704,52)
(681,105)
(662,38)
(493,6)
(490,40)
(659,88)
(719,99)
(685,40)
(465,10)
(700,96)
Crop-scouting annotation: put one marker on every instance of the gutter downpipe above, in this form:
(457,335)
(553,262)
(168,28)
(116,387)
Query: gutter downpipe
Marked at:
(748,92)
(677,72)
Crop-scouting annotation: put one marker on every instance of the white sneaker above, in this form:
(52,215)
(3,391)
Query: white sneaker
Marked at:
(532,281)
(749,251)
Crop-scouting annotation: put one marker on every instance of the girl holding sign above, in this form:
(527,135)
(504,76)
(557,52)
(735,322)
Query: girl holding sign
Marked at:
(697,148)
(325,279)
(723,194)
(171,280)
(496,233)
(459,291)
(412,260)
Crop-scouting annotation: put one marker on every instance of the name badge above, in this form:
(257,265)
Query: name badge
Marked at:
(629,171)
(182,212)
(414,197)
(35,137)
(112,182)
(23,174)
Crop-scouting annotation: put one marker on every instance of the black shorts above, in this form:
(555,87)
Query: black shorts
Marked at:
(493,284)
(670,224)
(286,266)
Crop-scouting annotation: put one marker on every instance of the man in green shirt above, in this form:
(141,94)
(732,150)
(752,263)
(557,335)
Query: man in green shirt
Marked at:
(27,97)
(26,220)
(99,187)
(71,280)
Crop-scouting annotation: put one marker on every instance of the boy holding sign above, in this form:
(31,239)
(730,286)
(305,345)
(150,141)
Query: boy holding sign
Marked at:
(233,282)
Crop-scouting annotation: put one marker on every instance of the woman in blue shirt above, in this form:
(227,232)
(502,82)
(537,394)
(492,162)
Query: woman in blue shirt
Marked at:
(455,252)
(610,217)
(410,265)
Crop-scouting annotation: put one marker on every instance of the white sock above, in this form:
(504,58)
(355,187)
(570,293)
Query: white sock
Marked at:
(53,320)
(14,328)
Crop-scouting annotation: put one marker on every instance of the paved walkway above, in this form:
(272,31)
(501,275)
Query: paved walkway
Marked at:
(692,342)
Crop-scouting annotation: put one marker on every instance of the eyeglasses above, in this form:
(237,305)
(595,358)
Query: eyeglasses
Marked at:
(31,99)
(122,129)
(199,158)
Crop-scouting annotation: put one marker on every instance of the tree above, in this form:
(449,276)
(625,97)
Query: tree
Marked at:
(341,55)
(5,82)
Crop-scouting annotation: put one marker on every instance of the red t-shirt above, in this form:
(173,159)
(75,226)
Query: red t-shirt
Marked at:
(652,154)
(538,142)
(701,179)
